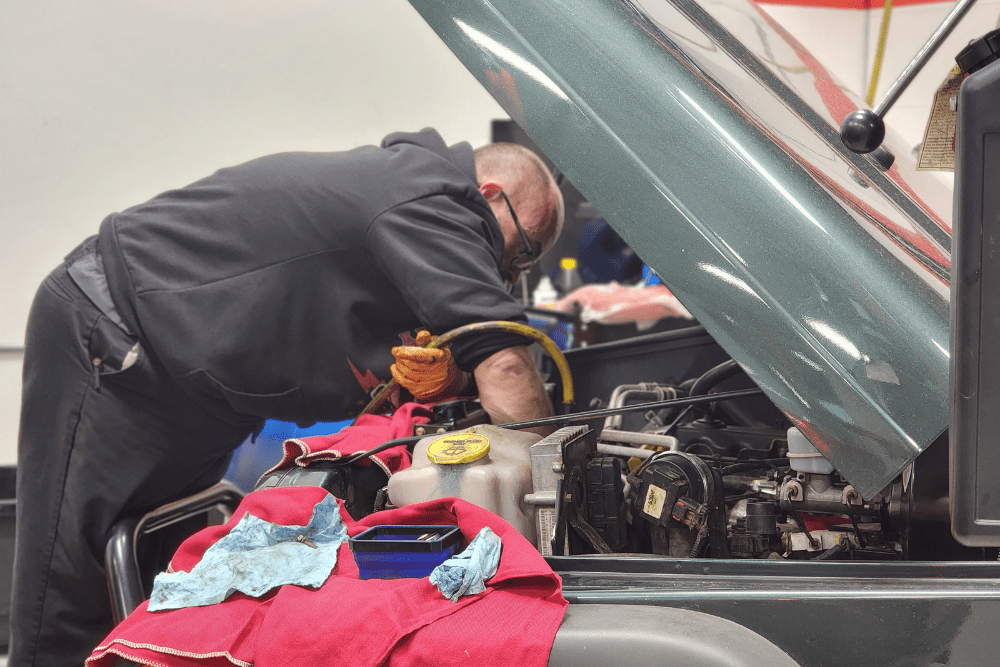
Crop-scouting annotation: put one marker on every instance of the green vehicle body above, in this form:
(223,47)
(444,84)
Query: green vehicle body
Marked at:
(824,275)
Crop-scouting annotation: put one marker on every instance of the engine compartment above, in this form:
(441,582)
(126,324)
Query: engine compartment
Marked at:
(715,492)
(677,454)
(712,480)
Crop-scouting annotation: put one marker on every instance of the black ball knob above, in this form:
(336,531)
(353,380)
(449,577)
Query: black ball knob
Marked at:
(862,131)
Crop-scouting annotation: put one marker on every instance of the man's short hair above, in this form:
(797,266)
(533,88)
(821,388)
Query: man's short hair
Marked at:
(506,159)
(522,171)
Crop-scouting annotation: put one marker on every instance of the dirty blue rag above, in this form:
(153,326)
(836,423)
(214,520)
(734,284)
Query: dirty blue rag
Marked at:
(468,572)
(255,557)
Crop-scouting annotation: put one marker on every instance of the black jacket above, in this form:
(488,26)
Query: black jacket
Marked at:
(276,288)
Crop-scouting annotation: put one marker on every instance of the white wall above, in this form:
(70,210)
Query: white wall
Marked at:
(108,102)
(845,41)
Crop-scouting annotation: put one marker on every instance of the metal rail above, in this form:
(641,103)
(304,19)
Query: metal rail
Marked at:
(923,55)
(120,560)
(576,417)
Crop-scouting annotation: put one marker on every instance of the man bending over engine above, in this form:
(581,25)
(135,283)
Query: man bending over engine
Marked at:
(269,290)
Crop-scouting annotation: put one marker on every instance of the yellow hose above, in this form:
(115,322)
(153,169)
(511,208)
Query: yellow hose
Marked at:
(497,325)
(883,35)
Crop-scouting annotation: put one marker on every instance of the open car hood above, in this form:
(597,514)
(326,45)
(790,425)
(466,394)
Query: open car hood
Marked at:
(707,138)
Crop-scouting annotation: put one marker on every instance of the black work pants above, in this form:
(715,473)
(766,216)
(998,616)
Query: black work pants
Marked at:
(96,443)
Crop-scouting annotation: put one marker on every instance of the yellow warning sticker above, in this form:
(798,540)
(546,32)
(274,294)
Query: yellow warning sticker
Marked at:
(655,497)
(937,150)
(462,447)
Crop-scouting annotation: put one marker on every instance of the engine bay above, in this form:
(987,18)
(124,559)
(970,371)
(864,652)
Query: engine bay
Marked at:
(726,477)
(716,492)
(676,454)
(692,483)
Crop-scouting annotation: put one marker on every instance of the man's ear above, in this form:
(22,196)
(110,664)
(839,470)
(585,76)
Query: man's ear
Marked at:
(491,189)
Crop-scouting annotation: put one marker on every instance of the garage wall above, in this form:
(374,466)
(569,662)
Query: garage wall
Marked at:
(843,35)
(108,102)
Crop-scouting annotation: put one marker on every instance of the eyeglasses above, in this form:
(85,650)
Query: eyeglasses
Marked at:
(525,259)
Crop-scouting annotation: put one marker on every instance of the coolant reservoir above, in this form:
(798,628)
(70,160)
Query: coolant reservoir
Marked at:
(486,465)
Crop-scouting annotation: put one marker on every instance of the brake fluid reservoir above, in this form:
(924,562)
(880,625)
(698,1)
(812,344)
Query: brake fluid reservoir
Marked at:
(804,457)
(487,465)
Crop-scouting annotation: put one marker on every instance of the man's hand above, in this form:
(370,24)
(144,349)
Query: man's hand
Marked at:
(429,374)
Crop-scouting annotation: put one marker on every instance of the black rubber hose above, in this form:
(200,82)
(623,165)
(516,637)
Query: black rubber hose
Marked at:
(388,444)
(830,553)
(699,542)
(813,542)
(710,379)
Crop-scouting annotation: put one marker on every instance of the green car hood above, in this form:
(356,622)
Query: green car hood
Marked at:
(707,138)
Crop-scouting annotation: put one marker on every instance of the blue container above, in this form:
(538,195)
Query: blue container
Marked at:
(253,459)
(403,552)
(560,331)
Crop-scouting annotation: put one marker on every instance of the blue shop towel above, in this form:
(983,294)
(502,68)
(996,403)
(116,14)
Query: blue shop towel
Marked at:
(255,557)
(467,573)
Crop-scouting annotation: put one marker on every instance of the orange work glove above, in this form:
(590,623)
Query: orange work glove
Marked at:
(428,373)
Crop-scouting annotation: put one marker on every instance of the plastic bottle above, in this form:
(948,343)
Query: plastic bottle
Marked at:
(544,294)
(486,465)
(569,276)
(804,457)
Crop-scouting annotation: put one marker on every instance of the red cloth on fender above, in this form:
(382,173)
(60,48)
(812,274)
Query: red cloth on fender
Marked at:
(367,432)
(348,621)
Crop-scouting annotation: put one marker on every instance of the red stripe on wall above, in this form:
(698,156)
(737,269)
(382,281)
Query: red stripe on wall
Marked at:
(849,4)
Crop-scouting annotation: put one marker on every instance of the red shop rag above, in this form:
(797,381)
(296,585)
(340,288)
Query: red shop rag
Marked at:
(350,621)
(367,432)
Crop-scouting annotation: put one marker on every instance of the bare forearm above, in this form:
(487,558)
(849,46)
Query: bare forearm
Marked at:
(510,388)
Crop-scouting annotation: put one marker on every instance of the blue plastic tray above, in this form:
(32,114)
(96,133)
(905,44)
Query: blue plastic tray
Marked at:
(403,552)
